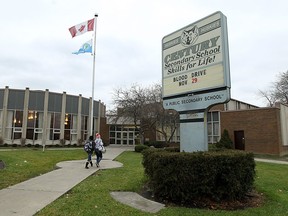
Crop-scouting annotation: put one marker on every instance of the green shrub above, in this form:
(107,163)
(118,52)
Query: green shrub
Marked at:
(184,177)
(140,148)
(172,149)
(156,144)
(225,141)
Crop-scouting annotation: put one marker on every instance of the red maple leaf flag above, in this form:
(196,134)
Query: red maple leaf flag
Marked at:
(82,28)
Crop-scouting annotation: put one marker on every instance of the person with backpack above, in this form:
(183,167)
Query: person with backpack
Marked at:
(89,148)
(99,148)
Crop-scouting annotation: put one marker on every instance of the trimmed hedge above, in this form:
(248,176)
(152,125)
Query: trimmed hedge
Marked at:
(156,144)
(183,177)
(140,148)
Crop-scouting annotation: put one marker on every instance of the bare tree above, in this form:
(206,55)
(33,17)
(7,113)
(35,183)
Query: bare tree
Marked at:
(281,88)
(278,91)
(269,96)
(144,106)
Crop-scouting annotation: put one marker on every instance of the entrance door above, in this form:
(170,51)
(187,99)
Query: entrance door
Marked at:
(128,138)
(239,140)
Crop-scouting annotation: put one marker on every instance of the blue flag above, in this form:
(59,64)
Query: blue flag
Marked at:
(85,48)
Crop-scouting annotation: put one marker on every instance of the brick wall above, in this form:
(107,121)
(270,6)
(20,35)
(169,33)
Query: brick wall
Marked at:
(104,131)
(261,128)
(217,107)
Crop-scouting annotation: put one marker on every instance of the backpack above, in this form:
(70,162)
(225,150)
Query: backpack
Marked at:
(88,147)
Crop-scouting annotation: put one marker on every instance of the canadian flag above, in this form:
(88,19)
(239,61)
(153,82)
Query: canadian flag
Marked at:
(82,28)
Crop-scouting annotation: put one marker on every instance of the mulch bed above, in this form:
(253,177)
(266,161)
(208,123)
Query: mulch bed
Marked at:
(252,200)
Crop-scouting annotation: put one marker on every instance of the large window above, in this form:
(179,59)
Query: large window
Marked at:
(70,123)
(34,126)
(213,121)
(53,129)
(84,127)
(14,124)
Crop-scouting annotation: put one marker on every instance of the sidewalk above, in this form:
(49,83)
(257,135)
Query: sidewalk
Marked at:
(27,198)
(271,161)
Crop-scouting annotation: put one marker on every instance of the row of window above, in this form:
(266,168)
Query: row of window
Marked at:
(34,124)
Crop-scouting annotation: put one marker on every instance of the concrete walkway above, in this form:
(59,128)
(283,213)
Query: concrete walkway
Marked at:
(29,197)
(271,161)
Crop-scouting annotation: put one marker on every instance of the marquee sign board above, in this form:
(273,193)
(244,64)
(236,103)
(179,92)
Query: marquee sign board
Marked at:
(195,65)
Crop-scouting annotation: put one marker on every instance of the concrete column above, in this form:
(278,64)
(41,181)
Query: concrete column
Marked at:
(4,115)
(90,118)
(63,112)
(25,113)
(45,118)
(79,118)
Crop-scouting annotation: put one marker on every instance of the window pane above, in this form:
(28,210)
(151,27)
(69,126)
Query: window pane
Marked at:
(18,118)
(31,119)
(215,116)
(209,116)
(30,133)
(112,128)
(112,134)
(57,120)
(67,121)
(209,128)
(216,129)
(17,135)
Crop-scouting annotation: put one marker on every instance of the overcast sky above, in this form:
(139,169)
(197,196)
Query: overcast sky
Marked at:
(36,45)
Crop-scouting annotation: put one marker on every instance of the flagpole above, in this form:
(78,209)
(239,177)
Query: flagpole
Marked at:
(93,76)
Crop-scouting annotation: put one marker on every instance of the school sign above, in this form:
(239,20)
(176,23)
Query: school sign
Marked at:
(195,65)
(195,76)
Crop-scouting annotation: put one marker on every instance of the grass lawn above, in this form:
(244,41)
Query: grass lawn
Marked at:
(22,164)
(91,197)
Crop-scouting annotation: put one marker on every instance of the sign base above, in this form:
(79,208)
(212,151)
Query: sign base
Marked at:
(193,132)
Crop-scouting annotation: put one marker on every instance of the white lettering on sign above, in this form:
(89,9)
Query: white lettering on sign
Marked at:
(199,99)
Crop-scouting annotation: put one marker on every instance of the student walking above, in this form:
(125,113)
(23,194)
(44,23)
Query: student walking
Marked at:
(99,147)
(89,148)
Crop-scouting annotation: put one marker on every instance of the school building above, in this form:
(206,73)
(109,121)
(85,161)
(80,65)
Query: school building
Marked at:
(46,118)
(35,117)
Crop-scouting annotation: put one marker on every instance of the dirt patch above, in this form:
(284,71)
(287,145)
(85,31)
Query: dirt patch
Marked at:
(252,200)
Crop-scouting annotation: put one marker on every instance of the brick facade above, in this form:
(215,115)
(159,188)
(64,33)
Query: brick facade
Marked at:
(261,127)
